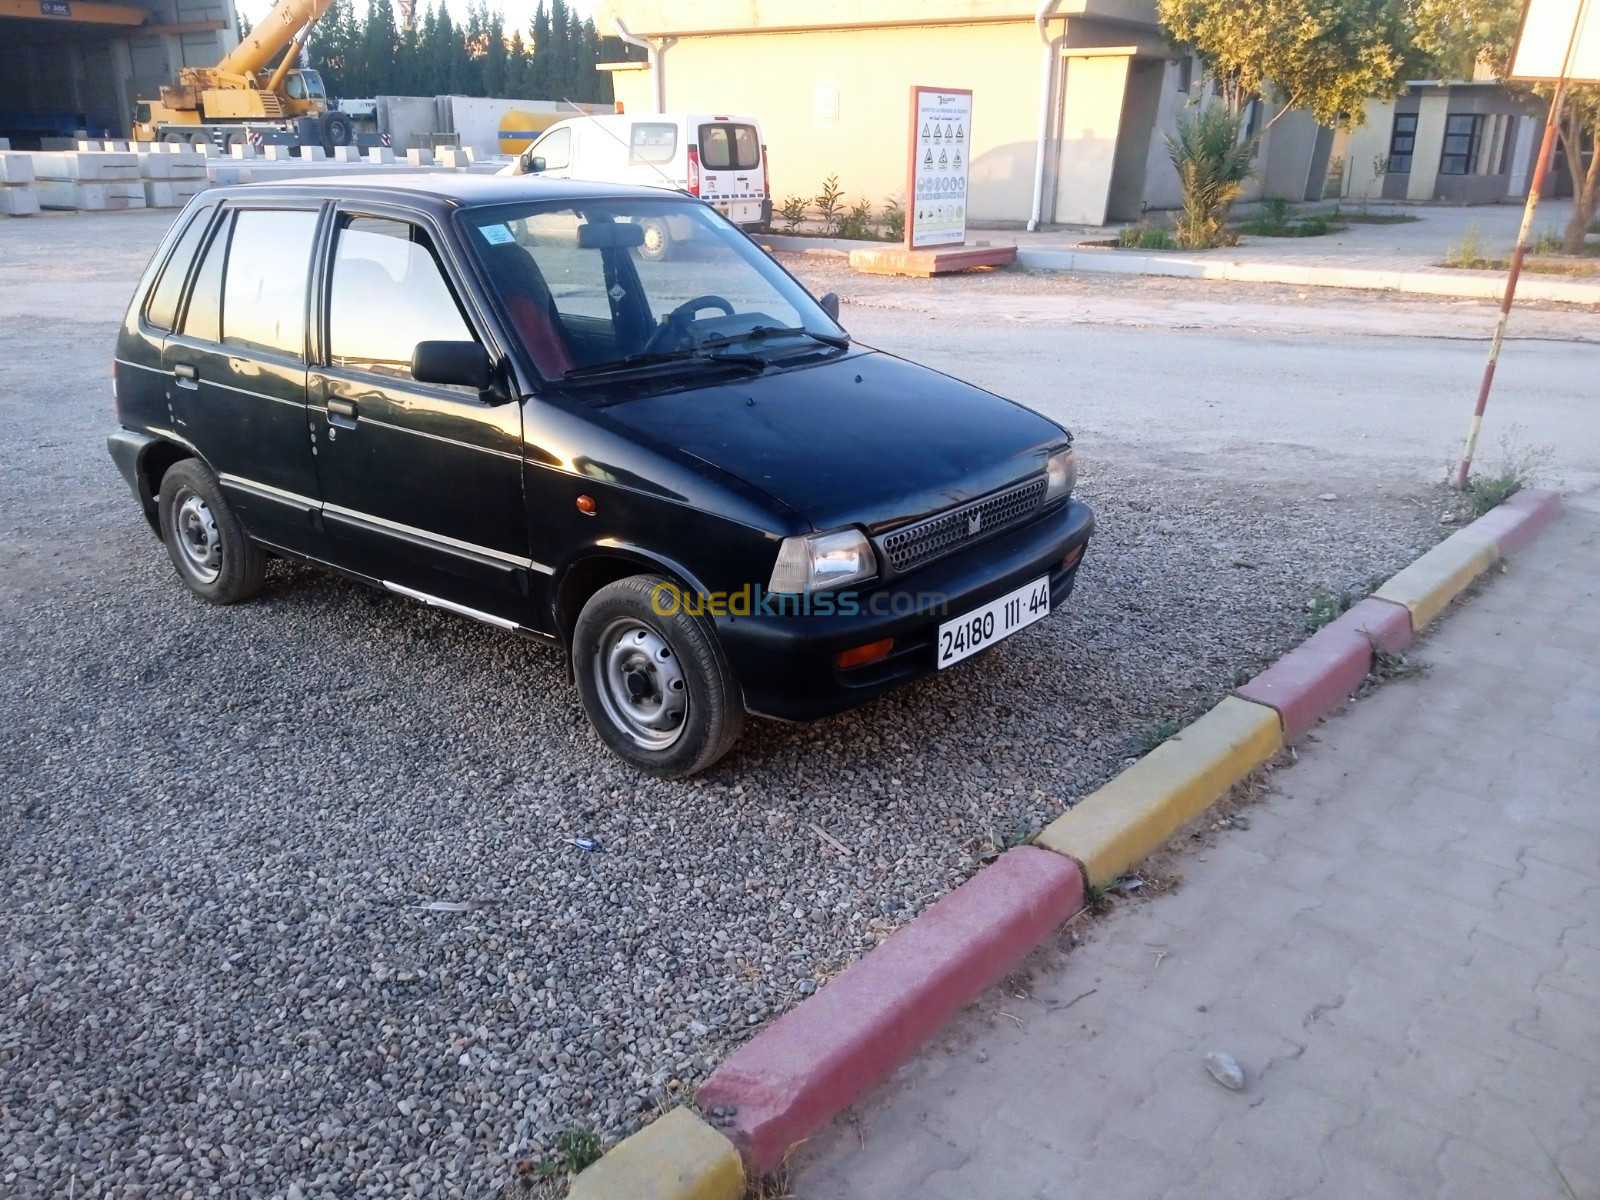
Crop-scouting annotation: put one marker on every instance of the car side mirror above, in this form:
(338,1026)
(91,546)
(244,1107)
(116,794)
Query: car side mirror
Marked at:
(455,364)
(830,305)
(533,166)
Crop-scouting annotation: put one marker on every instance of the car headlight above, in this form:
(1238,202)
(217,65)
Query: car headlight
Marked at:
(818,561)
(1061,474)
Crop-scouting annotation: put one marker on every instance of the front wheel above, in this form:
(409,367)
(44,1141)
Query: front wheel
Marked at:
(657,243)
(207,544)
(653,679)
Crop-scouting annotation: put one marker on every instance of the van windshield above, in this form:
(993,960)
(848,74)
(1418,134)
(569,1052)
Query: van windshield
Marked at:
(596,285)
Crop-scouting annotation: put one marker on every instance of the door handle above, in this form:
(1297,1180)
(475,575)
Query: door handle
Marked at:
(341,408)
(185,371)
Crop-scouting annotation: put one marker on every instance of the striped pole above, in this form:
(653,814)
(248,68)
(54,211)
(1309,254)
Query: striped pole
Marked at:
(1546,148)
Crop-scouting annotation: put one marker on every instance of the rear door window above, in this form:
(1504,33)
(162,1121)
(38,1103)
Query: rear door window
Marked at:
(162,311)
(725,146)
(652,143)
(264,288)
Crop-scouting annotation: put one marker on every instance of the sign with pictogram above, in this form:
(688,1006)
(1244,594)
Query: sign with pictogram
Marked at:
(936,184)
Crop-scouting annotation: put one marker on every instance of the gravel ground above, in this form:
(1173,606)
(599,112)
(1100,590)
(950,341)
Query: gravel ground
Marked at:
(216,976)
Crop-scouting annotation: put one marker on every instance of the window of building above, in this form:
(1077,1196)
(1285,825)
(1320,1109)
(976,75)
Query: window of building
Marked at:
(1463,134)
(264,290)
(162,311)
(1402,143)
(203,317)
(729,147)
(388,293)
(653,142)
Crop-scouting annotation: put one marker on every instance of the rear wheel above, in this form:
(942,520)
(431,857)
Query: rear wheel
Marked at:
(654,680)
(208,546)
(337,130)
(174,137)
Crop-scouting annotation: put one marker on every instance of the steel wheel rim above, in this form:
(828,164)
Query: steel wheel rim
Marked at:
(655,237)
(641,685)
(195,531)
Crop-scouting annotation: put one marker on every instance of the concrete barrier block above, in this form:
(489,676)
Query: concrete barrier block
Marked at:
(277,153)
(346,154)
(15,169)
(313,154)
(419,158)
(243,151)
(19,200)
(380,154)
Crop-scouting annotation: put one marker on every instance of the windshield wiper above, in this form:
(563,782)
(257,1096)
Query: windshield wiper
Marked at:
(635,362)
(761,332)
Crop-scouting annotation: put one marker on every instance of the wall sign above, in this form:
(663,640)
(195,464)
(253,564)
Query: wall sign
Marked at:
(55,8)
(941,151)
(825,104)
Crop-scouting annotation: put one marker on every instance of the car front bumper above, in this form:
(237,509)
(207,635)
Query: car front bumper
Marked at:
(786,664)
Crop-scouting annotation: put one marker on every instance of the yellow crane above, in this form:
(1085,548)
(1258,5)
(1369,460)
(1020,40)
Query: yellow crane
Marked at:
(240,97)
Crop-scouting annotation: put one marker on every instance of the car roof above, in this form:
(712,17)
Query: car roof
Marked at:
(441,191)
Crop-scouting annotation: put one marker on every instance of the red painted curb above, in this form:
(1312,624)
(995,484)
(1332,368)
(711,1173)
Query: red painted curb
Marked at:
(793,1077)
(1382,621)
(1513,524)
(1313,679)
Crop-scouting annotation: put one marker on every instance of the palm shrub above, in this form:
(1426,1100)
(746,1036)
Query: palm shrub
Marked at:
(1213,164)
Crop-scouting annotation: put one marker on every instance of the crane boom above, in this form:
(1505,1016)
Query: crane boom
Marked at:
(276,30)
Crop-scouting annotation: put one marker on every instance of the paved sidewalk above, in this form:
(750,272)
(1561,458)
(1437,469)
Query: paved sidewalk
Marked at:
(1402,949)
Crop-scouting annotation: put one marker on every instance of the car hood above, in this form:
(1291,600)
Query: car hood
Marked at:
(864,438)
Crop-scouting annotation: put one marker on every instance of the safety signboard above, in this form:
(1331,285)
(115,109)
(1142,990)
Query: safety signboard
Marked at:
(936,184)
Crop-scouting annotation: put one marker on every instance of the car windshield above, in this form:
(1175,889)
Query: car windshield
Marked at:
(596,286)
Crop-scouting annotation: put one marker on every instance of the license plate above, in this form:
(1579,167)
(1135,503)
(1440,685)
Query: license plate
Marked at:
(985,626)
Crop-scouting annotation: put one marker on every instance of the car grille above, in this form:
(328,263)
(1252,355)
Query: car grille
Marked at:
(915,545)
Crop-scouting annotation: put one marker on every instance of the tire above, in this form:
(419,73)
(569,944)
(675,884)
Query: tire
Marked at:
(174,137)
(657,241)
(337,130)
(638,669)
(235,137)
(208,546)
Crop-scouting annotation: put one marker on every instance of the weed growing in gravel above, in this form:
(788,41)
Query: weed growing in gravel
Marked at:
(1005,835)
(1387,666)
(1519,467)
(1145,237)
(1468,252)
(1324,608)
(576,1147)
(793,211)
(1154,736)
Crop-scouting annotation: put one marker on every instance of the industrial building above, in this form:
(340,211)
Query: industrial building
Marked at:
(70,66)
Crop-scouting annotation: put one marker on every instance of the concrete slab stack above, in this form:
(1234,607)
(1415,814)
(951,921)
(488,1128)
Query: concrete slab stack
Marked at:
(18,196)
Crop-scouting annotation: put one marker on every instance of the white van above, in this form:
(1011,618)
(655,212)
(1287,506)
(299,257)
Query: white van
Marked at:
(721,159)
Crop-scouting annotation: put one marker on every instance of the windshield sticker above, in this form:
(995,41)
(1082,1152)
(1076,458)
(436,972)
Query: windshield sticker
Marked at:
(496,235)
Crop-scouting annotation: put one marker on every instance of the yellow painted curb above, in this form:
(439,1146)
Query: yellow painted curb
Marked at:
(675,1157)
(1439,576)
(1133,815)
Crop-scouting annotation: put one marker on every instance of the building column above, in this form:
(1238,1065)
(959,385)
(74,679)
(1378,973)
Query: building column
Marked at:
(1429,149)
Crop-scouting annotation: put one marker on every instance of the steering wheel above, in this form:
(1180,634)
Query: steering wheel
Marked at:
(675,325)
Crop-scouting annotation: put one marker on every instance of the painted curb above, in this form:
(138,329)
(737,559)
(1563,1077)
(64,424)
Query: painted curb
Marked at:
(797,1074)
(1319,674)
(1512,525)
(1428,585)
(1110,830)
(675,1157)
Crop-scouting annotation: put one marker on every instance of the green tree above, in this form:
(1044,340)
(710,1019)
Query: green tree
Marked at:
(1325,55)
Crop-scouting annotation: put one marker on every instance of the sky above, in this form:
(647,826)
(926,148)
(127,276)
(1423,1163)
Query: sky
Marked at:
(518,13)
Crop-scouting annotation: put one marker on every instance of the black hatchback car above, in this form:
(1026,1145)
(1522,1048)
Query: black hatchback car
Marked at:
(476,392)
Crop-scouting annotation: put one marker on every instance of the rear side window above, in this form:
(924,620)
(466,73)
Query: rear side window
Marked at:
(729,147)
(652,143)
(264,289)
(203,318)
(389,293)
(162,311)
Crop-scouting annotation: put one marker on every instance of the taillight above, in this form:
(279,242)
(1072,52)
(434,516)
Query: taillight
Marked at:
(694,171)
(766,173)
